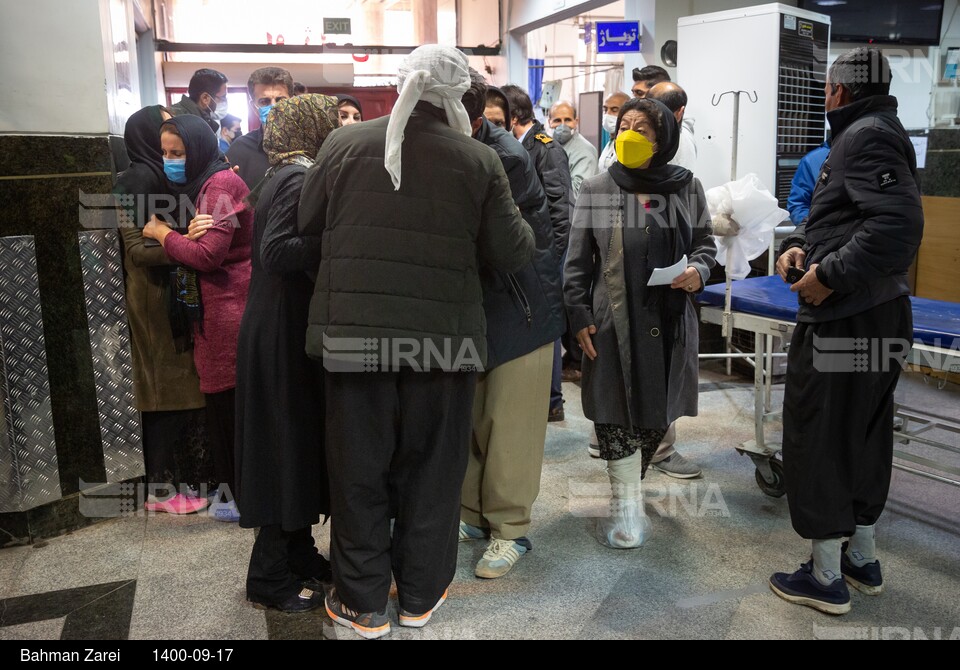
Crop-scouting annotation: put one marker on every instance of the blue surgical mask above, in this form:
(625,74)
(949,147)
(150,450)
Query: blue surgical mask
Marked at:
(264,112)
(175,169)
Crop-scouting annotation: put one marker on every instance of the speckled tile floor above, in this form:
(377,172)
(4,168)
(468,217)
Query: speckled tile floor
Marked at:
(702,573)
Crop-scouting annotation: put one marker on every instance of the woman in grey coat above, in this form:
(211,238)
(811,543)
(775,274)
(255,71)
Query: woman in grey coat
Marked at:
(640,342)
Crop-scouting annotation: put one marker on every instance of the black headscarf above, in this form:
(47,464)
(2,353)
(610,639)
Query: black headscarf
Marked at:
(145,175)
(203,155)
(670,239)
(203,161)
(343,98)
(659,178)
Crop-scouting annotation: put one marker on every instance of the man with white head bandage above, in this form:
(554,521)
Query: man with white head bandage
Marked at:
(397,319)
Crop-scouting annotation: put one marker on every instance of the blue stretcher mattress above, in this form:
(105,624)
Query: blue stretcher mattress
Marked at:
(935,322)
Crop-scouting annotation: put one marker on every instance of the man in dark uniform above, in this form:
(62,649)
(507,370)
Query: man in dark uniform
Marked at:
(854,329)
(553,168)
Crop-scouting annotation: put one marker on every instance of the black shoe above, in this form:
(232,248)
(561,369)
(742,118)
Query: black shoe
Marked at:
(802,588)
(321,580)
(867,579)
(555,415)
(303,601)
(319,584)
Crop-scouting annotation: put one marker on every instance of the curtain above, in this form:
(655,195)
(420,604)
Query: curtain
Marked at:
(535,79)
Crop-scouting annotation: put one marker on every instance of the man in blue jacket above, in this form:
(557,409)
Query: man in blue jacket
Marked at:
(524,311)
(853,332)
(804,181)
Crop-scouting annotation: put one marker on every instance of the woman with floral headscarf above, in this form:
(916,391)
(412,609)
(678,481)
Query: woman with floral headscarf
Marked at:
(281,469)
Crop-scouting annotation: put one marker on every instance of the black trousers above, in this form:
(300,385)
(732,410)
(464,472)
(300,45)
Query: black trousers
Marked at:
(221,410)
(164,435)
(280,560)
(400,437)
(838,418)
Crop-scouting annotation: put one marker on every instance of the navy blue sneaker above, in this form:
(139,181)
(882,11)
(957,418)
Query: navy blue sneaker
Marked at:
(867,579)
(802,588)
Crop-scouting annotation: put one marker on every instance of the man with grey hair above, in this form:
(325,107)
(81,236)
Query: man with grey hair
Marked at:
(407,209)
(582,156)
(854,251)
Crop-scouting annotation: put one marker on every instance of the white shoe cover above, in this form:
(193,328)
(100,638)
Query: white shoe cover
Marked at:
(627,526)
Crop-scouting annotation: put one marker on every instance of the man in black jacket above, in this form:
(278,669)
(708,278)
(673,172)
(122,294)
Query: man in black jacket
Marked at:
(553,169)
(408,208)
(206,97)
(525,316)
(855,327)
(265,88)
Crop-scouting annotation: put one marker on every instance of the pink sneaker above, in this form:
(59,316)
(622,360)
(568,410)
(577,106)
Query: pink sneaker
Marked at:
(178,504)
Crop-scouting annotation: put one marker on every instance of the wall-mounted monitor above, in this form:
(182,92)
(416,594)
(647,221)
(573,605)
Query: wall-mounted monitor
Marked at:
(888,22)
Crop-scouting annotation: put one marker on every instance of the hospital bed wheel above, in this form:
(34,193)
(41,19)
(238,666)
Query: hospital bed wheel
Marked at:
(776,489)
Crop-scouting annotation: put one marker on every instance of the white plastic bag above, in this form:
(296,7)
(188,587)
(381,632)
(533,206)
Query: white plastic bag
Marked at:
(755,211)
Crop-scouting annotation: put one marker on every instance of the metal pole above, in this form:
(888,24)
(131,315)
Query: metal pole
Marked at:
(736,136)
(727,330)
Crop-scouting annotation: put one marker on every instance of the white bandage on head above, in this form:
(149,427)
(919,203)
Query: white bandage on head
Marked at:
(435,74)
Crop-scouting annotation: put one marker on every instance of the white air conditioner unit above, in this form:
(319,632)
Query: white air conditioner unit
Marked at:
(777,51)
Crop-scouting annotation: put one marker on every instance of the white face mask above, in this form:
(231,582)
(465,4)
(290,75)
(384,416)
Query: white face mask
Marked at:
(220,112)
(610,123)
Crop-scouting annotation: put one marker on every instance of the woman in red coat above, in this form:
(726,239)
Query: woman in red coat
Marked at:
(213,278)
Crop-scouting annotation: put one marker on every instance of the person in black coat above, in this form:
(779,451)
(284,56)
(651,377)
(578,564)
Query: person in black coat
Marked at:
(553,169)
(855,250)
(409,207)
(281,470)
(524,312)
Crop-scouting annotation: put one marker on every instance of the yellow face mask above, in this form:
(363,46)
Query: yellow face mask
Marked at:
(633,149)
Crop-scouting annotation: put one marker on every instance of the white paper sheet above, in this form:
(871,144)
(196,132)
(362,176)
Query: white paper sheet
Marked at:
(920,147)
(665,276)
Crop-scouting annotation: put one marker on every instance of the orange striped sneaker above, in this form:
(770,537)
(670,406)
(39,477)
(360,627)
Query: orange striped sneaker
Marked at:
(368,625)
(420,620)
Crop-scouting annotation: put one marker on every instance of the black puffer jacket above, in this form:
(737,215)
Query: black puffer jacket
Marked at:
(405,265)
(524,309)
(553,168)
(866,217)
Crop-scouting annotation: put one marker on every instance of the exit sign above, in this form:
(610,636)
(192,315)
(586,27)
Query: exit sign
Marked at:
(336,26)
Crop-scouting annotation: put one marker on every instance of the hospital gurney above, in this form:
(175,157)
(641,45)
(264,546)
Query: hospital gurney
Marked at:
(766,307)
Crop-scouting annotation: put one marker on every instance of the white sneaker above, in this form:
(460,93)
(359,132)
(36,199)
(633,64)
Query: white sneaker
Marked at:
(593,450)
(499,558)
